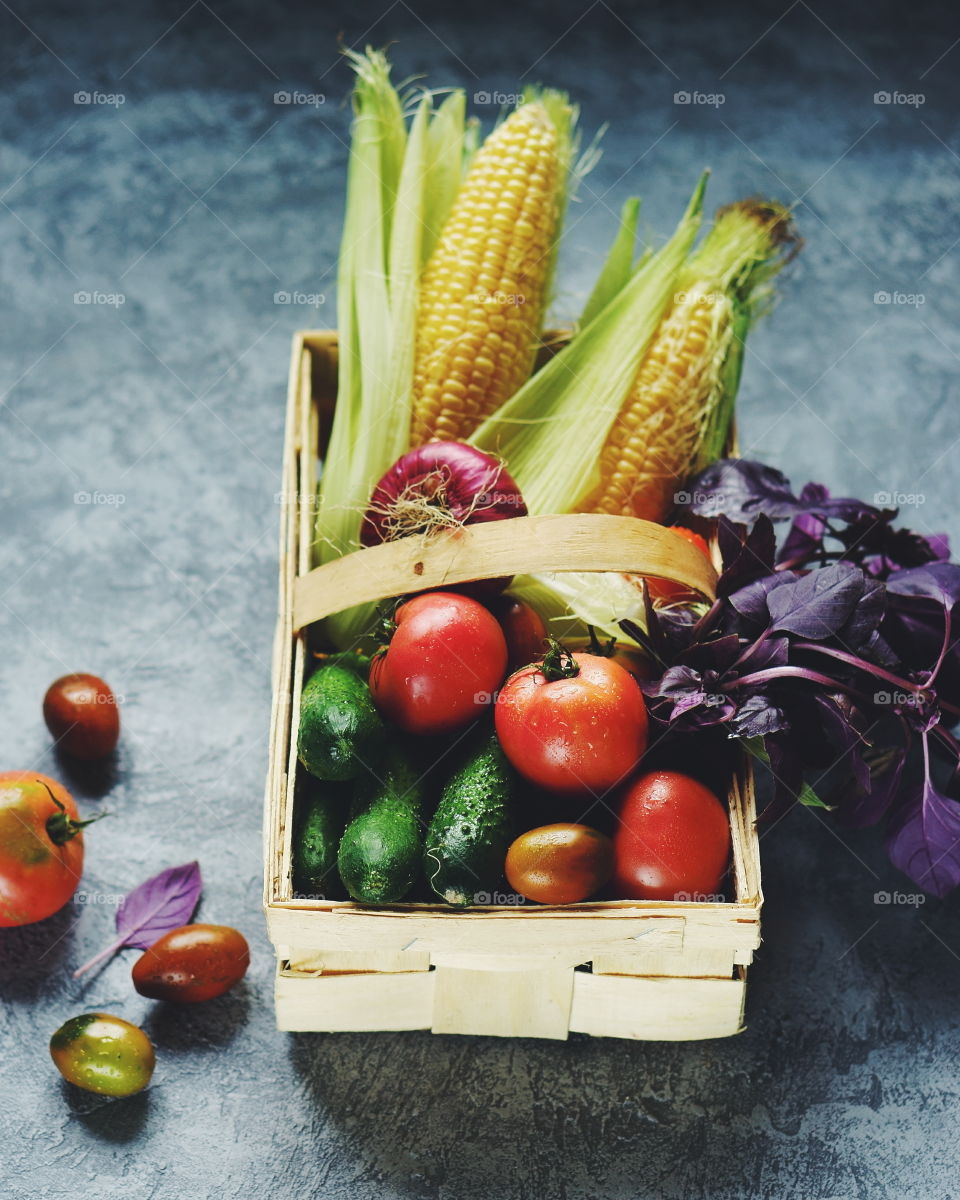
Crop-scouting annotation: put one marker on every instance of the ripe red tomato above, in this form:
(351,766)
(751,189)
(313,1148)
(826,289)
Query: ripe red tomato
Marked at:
(41,847)
(574,723)
(192,964)
(673,840)
(523,628)
(559,864)
(82,715)
(443,665)
(666,591)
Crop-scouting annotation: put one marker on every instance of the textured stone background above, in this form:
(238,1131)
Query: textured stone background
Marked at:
(197,200)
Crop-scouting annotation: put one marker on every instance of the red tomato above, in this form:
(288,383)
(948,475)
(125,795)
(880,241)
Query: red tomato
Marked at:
(192,964)
(81,713)
(41,847)
(666,591)
(523,628)
(673,841)
(579,733)
(443,664)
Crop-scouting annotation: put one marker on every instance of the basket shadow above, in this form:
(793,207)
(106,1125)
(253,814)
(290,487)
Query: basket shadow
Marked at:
(477,1117)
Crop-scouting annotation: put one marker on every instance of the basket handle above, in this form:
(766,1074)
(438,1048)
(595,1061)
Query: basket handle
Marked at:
(520,546)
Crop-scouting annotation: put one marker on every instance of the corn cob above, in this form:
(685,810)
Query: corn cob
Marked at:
(678,413)
(483,289)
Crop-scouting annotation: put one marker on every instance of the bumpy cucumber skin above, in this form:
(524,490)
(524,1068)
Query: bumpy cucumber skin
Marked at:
(321,815)
(379,857)
(341,734)
(468,837)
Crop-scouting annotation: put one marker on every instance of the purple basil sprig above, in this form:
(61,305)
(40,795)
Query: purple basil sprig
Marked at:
(160,904)
(835,650)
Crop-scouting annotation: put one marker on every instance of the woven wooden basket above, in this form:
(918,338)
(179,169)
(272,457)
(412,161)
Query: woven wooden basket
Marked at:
(658,970)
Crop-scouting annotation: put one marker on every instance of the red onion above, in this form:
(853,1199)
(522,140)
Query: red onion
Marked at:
(441,485)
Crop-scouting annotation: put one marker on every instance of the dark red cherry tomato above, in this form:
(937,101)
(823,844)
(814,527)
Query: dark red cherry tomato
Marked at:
(559,864)
(192,964)
(523,628)
(82,715)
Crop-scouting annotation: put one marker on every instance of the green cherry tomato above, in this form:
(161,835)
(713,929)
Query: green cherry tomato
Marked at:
(103,1053)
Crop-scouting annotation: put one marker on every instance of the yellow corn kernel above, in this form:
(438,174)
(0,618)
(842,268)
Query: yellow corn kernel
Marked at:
(657,434)
(481,297)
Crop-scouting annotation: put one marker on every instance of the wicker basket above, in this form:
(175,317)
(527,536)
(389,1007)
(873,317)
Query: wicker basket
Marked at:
(658,970)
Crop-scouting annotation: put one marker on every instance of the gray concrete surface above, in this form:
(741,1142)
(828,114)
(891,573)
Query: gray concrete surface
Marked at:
(141,445)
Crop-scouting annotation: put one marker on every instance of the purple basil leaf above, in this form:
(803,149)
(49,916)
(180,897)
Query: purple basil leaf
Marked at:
(877,650)
(804,542)
(844,725)
(730,539)
(865,619)
(868,807)
(926,843)
(715,655)
(740,490)
(701,710)
(939,546)
(846,509)
(771,652)
(675,625)
(751,601)
(938,581)
(677,682)
(756,717)
(164,902)
(747,555)
(817,605)
(160,904)
(786,767)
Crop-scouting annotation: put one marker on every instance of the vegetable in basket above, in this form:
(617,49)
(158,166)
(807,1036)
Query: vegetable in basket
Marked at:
(484,289)
(835,651)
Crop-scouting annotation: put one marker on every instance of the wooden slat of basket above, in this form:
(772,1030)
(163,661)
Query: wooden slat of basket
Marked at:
(529,1003)
(523,545)
(367,1003)
(673,1010)
(564,937)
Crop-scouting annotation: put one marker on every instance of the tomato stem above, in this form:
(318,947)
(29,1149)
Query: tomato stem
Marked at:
(61,828)
(558,663)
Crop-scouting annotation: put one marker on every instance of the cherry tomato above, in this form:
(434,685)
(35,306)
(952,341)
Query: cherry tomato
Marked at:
(667,591)
(103,1053)
(192,964)
(523,628)
(559,864)
(673,841)
(82,715)
(574,723)
(443,664)
(41,847)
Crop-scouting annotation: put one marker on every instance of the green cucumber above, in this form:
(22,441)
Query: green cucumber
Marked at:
(468,837)
(341,734)
(379,857)
(321,814)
